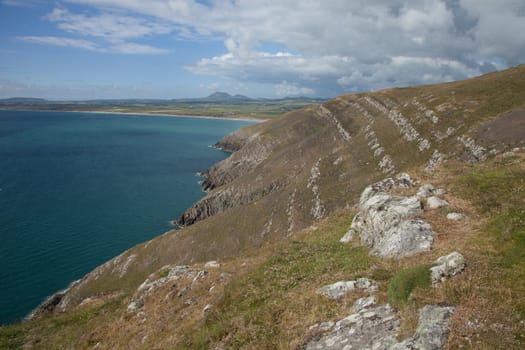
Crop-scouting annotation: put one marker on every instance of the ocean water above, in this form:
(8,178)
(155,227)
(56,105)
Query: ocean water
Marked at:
(76,189)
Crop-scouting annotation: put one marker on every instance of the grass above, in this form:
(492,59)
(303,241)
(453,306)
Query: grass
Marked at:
(61,331)
(11,338)
(269,307)
(405,281)
(491,297)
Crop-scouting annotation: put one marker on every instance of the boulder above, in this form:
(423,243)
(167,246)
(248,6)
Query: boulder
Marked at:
(432,330)
(456,216)
(428,190)
(340,289)
(212,264)
(388,225)
(377,328)
(447,266)
(436,202)
(347,237)
(363,303)
(374,328)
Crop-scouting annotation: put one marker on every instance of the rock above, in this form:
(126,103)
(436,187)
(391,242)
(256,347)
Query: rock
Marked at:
(436,202)
(388,226)
(425,191)
(432,330)
(456,216)
(323,326)
(347,237)
(206,310)
(377,328)
(428,190)
(212,264)
(374,328)
(340,289)
(135,305)
(363,303)
(447,266)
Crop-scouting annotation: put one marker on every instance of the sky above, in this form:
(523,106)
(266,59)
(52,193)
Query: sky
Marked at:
(87,49)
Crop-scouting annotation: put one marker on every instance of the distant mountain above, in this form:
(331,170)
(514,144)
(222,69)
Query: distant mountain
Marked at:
(23,101)
(226,97)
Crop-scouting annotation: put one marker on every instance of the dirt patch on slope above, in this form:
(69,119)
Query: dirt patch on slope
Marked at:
(508,128)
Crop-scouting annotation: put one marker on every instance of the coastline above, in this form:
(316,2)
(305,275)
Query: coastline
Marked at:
(50,302)
(246,119)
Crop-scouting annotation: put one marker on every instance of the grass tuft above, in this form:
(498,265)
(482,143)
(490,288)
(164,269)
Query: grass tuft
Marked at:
(405,281)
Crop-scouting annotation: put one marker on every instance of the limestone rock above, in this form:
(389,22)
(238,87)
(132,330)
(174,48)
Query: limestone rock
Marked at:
(135,305)
(436,202)
(432,330)
(428,190)
(447,266)
(340,289)
(212,264)
(363,303)
(347,237)
(388,225)
(206,310)
(374,328)
(456,216)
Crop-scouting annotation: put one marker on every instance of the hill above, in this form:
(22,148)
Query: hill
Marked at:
(274,213)
(218,104)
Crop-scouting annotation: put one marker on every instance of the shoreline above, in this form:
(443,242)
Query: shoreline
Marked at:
(245,119)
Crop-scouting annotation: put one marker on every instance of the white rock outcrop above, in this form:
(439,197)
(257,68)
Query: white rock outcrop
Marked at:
(456,216)
(436,202)
(377,328)
(340,289)
(447,266)
(389,224)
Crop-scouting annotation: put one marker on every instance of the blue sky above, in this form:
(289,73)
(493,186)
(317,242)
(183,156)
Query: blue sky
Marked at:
(83,49)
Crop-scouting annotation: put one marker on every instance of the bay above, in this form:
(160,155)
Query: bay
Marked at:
(77,189)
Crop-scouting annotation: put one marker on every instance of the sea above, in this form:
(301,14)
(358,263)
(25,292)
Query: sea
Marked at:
(77,189)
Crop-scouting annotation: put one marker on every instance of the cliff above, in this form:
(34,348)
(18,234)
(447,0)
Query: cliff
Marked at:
(274,213)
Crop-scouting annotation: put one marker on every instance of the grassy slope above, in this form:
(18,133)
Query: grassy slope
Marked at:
(264,304)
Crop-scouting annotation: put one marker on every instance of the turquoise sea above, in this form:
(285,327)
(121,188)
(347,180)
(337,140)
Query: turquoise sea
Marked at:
(77,189)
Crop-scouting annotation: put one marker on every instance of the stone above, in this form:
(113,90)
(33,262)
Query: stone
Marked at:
(135,305)
(425,191)
(456,216)
(436,202)
(428,190)
(388,226)
(359,332)
(212,264)
(363,303)
(206,310)
(340,289)
(447,266)
(347,237)
(432,330)
(377,328)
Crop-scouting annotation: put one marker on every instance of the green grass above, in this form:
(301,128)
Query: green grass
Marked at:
(499,192)
(11,338)
(405,281)
(269,306)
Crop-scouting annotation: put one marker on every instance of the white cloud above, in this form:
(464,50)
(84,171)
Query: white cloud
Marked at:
(285,89)
(326,46)
(60,41)
(137,49)
(109,26)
